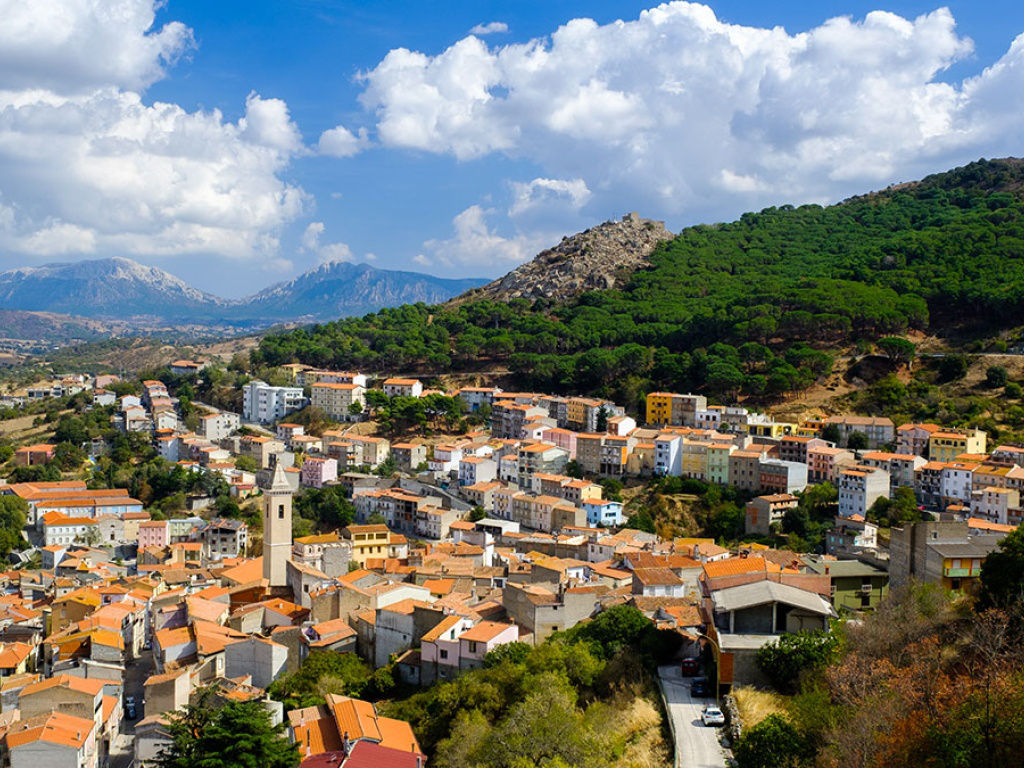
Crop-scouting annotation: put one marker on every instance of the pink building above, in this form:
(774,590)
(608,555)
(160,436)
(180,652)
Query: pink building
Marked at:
(153,533)
(477,642)
(824,463)
(317,472)
(563,438)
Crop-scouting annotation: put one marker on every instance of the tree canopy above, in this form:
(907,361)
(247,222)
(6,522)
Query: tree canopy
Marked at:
(748,306)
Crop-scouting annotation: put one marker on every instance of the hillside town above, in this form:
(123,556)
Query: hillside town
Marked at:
(508,532)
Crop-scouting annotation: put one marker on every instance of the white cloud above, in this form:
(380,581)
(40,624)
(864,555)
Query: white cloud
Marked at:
(140,179)
(548,192)
(341,142)
(677,111)
(422,260)
(475,244)
(86,166)
(267,122)
(325,252)
(310,240)
(75,45)
(490,28)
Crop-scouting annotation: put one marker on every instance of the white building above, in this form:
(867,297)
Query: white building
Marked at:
(217,426)
(859,488)
(668,458)
(403,387)
(263,403)
(476,469)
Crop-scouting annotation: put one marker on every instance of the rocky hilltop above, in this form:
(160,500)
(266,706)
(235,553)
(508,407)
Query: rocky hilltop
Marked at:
(593,260)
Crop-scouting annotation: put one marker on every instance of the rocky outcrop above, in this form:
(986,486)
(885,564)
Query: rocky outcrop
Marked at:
(597,259)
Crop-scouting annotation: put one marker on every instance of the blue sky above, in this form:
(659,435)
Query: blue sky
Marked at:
(467,159)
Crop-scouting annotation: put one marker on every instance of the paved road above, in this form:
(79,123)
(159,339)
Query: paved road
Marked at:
(123,751)
(696,745)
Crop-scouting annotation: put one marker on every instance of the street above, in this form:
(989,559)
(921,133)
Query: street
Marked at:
(122,753)
(696,745)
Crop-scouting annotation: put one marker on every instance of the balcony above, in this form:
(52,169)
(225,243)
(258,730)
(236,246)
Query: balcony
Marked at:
(956,573)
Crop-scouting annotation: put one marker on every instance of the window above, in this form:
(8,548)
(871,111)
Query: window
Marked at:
(444,654)
(472,647)
(280,511)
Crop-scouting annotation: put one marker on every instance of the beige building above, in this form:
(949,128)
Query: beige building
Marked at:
(336,399)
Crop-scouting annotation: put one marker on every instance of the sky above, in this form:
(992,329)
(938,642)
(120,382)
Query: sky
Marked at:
(238,144)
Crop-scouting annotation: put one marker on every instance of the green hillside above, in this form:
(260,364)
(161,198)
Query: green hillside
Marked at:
(745,307)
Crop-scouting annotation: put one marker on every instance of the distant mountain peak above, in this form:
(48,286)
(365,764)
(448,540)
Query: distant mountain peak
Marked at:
(338,288)
(113,286)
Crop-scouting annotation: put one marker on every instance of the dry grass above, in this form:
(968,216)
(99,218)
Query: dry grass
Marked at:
(633,723)
(755,705)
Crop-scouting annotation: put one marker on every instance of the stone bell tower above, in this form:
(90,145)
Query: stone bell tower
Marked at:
(277,529)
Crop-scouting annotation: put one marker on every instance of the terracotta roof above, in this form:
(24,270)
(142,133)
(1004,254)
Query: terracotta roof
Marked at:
(443,626)
(54,728)
(734,566)
(485,631)
(81,684)
(314,730)
(656,576)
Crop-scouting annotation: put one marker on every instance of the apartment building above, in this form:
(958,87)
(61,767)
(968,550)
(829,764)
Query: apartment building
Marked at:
(859,488)
(914,438)
(947,445)
(878,430)
(824,463)
(264,404)
(763,511)
(403,387)
(338,399)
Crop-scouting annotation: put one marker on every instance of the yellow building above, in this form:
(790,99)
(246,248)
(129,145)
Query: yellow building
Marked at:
(776,429)
(368,541)
(947,445)
(659,408)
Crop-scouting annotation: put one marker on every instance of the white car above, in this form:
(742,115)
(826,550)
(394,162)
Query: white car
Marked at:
(712,716)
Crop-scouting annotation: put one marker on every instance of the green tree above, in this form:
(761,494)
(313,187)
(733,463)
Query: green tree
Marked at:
(574,469)
(1002,574)
(322,672)
(641,521)
(13,513)
(783,661)
(772,743)
(996,376)
(857,441)
(68,456)
(1013,389)
(831,433)
(238,734)
(247,464)
(953,367)
(900,351)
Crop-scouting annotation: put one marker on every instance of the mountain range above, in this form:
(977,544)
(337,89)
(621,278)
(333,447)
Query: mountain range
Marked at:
(125,291)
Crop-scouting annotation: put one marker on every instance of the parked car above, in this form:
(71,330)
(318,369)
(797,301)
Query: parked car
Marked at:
(712,716)
(690,667)
(700,687)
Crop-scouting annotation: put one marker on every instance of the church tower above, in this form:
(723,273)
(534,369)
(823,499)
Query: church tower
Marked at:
(277,529)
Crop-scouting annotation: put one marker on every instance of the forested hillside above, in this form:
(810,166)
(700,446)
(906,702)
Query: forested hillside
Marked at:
(744,307)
